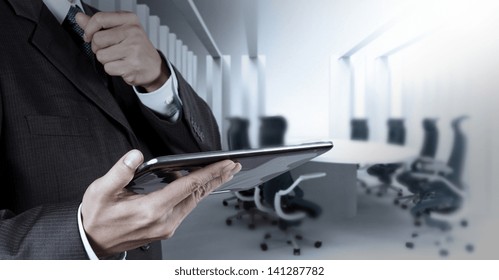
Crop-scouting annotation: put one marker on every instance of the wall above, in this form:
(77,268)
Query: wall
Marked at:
(299,37)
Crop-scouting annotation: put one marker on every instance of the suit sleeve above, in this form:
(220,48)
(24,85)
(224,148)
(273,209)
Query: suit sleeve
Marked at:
(44,232)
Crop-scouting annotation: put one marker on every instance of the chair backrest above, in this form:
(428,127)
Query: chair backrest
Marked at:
(430,142)
(237,134)
(272,131)
(458,153)
(359,129)
(396,131)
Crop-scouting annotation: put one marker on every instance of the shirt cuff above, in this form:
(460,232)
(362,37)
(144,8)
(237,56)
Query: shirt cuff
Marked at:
(90,252)
(165,100)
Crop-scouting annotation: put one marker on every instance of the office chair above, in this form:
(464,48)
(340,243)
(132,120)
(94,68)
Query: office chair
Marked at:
(440,192)
(426,157)
(237,139)
(359,129)
(385,172)
(281,197)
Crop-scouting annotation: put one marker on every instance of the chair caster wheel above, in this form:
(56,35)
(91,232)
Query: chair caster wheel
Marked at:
(296,252)
(228,222)
(396,202)
(288,242)
(464,223)
(251,226)
(403,206)
(318,244)
(299,237)
(470,248)
(267,236)
(443,253)
(417,223)
(264,247)
(414,235)
(409,245)
(224,203)
(380,194)
(368,191)
(400,194)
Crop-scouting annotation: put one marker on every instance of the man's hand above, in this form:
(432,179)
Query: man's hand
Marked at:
(116,220)
(121,45)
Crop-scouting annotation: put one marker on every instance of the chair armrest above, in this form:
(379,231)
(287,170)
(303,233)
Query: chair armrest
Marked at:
(433,165)
(298,181)
(436,178)
(243,197)
(259,204)
(277,199)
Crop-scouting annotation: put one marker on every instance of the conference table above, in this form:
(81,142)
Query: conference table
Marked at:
(337,191)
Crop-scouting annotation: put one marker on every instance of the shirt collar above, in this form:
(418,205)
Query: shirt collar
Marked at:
(60,8)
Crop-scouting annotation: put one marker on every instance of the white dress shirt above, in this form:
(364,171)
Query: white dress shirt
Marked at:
(156,101)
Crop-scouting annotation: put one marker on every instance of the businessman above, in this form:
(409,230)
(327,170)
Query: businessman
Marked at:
(84,99)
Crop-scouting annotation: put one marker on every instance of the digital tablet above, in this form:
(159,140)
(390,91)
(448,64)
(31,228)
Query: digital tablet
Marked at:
(258,166)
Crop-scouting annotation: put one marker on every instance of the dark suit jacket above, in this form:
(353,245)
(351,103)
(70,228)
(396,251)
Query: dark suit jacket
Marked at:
(61,128)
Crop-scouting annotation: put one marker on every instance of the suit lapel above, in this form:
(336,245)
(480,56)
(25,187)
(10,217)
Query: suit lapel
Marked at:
(58,47)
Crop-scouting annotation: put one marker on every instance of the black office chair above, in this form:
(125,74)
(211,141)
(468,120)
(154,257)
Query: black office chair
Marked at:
(426,157)
(440,192)
(238,139)
(237,134)
(359,129)
(281,196)
(385,172)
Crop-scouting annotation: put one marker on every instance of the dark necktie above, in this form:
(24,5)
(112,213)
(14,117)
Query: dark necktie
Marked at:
(76,32)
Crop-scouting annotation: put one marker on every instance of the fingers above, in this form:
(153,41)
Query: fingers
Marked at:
(82,20)
(120,174)
(202,182)
(180,210)
(104,21)
(107,38)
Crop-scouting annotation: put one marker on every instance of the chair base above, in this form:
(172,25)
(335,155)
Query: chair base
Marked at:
(383,189)
(252,213)
(441,234)
(292,237)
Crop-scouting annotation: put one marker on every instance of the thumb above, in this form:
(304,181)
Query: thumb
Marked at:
(82,20)
(121,173)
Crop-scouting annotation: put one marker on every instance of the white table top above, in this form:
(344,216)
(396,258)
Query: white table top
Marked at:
(363,152)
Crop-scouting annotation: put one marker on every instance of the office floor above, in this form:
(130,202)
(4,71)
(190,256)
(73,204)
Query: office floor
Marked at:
(378,231)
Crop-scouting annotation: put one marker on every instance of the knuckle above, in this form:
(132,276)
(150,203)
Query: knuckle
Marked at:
(129,79)
(133,18)
(107,67)
(100,55)
(98,17)
(195,184)
(200,192)
(167,230)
